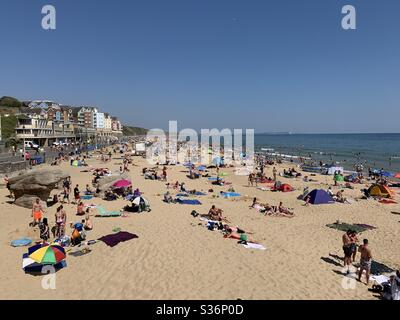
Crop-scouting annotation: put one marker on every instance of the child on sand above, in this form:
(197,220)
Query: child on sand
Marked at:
(44,230)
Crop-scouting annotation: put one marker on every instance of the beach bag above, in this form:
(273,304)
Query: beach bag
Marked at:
(210,225)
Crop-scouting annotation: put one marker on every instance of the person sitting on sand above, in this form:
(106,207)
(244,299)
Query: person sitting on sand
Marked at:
(285,211)
(391,289)
(88,221)
(182,187)
(215,213)
(365,260)
(37,212)
(89,190)
(78,234)
(80,209)
(168,198)
(329,191)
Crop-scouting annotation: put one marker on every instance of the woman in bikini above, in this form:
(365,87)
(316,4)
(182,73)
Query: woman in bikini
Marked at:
(61,218)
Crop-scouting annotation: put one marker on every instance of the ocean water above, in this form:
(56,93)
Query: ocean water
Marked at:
(371,150)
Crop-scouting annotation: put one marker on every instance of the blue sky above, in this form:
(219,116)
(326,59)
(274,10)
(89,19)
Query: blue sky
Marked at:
(282,65)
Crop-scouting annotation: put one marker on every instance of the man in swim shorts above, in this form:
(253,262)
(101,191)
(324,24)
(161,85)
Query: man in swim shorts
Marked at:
(347,248)
(37,212)
(365,260)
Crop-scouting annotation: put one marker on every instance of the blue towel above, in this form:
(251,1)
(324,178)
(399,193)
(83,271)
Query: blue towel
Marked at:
(230,194)
(188,201)
(21,242)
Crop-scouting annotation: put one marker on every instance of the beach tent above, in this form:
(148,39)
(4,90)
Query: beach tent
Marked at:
(331,170)
(378,190)
(319,196)
(286,188)
(218,161)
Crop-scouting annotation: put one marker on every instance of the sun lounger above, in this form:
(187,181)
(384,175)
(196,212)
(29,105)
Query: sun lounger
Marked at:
(104,214)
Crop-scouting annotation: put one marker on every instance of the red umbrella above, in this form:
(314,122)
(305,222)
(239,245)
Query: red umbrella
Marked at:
(122,184)
(397,175)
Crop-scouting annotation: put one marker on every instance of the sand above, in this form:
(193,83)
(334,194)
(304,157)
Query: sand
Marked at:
(176,258)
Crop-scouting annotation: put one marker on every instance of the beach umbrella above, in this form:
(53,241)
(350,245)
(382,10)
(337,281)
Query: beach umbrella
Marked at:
(48,254)
(123,183)
(138,199)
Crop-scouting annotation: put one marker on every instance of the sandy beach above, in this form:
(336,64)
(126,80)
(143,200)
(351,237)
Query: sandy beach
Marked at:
(176,257)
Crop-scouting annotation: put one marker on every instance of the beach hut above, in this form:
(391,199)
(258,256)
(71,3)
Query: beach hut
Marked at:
(378,190)
(286,188)
(319,196)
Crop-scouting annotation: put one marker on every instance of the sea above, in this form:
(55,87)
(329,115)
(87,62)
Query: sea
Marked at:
(375,150)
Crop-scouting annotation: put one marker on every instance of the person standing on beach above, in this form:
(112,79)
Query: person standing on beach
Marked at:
(347,249)
(37,212)
(274,173)
(77,195)
(354,242)
(365,260)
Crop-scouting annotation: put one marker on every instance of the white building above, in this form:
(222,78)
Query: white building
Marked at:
(98,120)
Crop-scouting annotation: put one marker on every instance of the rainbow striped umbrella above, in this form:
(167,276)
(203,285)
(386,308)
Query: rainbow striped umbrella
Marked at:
(49,254)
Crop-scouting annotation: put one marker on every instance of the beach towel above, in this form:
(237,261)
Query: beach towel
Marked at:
(182,195)
(230,194)
(212,178)
(356,227)
(87,197)
(380,279)
(188,201)
(21,242)
(387,201)
(113,239)
(379,268)
(251,245)
(103,213)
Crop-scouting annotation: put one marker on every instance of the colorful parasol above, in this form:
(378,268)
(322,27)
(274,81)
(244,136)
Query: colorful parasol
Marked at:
(49,254)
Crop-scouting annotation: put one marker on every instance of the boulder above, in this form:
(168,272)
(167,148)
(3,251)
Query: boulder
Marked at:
(107,182)
(37,182)
(26,201)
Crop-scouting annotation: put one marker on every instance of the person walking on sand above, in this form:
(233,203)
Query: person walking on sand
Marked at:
(274,173)
(347,249)
(37,212)
(365,260)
